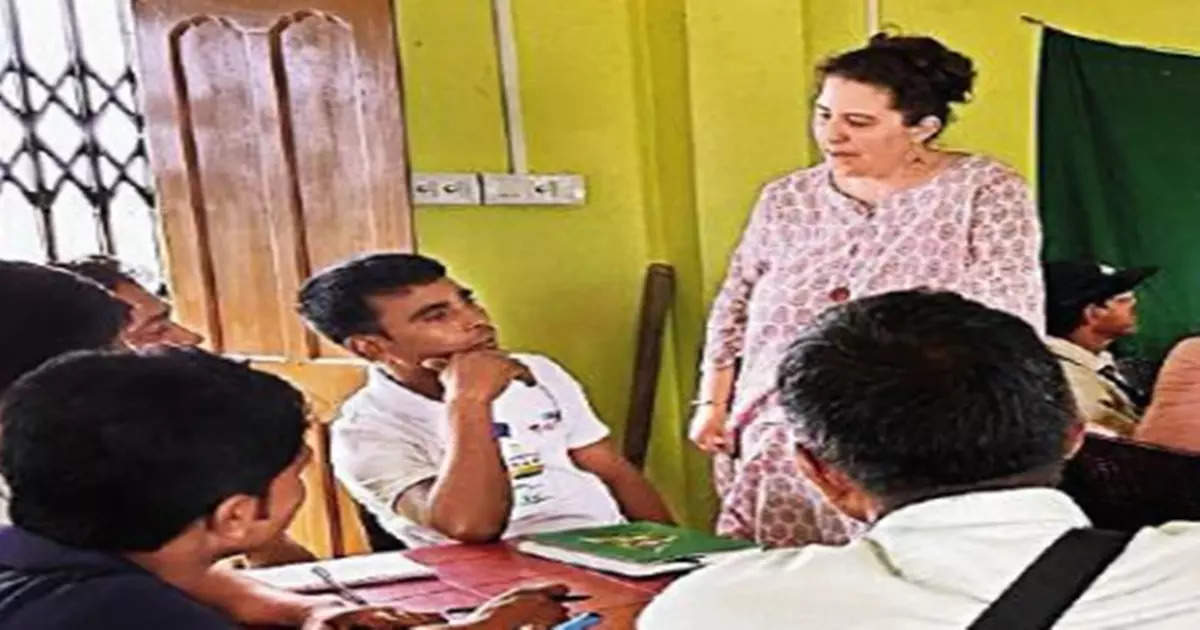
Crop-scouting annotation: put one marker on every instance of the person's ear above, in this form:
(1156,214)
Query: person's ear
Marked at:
(237,518)
(925,130)
(839,490)
(369,347)
(1093,313)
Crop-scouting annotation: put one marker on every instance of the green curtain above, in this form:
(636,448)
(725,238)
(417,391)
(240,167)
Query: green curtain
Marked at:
(1119,171)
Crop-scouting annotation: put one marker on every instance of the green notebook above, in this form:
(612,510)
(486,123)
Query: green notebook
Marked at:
(640,542)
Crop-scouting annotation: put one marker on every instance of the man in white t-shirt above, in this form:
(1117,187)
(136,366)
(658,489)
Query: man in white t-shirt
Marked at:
(452,438)
(944,424)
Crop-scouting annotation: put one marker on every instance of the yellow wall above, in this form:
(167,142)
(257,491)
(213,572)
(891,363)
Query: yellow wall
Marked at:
(566,282)
(676,111)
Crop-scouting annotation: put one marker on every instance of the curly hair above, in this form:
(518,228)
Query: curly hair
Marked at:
(923,75)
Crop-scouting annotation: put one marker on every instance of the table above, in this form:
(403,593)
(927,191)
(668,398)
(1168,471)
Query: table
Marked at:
(470,574)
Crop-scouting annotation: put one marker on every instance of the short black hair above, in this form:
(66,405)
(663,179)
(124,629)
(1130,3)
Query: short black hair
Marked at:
(913,391)
(334,300)
(1063,319)
(45,312)
(922,74)
(122,451)
(104,270)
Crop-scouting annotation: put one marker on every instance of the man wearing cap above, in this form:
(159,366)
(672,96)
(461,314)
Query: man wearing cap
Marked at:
(1088,306)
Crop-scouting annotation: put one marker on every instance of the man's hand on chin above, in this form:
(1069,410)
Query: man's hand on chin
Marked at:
(479,375)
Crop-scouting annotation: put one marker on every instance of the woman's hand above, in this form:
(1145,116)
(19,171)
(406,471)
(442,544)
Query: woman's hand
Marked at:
(707,429)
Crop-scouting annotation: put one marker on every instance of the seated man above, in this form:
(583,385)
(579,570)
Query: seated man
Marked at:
(150,320)
(440,442)
(121,509)
(149,323)
(1089,306)
(47,313)
(62,312)
(944,424)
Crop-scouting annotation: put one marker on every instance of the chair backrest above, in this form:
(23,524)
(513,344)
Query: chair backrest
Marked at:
(333,515)
(1124,485)
(658,292)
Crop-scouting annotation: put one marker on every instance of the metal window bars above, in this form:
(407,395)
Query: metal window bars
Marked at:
(102,154)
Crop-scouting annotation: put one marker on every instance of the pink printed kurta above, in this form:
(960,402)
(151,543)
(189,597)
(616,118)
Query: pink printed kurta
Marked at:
(971,229)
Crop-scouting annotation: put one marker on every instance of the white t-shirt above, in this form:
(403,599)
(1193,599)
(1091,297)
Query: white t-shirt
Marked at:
(936,565)
(388,438)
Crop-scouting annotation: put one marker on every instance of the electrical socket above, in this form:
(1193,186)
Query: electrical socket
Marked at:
(560,189)
(446,189)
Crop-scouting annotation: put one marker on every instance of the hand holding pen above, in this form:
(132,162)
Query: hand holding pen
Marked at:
(537,606)
(363,615)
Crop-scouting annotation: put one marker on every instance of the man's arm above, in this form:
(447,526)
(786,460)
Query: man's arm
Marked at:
(639,500)
(471,497)
(252,602)
(532,606)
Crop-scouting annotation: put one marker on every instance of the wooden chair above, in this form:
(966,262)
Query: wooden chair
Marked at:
(329,490)
(658,291)
(1125,485)
(377,537)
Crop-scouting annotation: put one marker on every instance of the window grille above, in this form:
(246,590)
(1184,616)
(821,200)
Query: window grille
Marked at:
(74,176)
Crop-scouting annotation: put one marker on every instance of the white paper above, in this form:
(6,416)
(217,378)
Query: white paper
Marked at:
(375,568)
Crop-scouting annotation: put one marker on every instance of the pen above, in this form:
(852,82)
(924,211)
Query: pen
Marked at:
(342,591)
(569,597)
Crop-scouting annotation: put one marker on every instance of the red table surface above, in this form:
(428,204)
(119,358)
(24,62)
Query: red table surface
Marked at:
(467,575)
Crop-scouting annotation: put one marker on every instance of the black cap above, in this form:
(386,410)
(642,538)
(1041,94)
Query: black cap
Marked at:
(1070,283)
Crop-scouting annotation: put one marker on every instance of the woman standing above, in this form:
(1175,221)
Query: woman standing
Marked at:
(885,210)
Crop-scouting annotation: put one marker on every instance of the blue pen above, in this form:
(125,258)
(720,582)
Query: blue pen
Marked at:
(579,622)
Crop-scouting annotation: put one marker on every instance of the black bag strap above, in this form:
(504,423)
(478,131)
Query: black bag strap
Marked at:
(1048,587)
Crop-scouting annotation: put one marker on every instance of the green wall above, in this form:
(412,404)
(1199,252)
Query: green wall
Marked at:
(676,111)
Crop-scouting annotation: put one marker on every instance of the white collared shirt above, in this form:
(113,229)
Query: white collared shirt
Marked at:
(938,564)
(388,438)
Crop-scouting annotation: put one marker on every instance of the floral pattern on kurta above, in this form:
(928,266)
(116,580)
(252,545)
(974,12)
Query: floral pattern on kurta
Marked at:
(972,229)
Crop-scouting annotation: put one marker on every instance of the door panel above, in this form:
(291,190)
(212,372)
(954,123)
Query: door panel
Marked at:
(224,156)
(277,143)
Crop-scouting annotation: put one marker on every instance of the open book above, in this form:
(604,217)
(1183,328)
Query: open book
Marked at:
(372,568)
(637,549)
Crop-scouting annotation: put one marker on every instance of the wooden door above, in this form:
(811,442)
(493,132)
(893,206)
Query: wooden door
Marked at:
(277,144)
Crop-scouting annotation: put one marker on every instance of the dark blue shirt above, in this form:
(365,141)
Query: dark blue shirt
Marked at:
(48,586)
